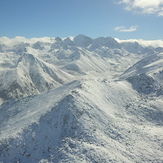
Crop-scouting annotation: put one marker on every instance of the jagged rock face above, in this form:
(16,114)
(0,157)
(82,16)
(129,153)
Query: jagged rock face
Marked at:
(82,41)
(135,47)
(107,42)
(142,83)
(38,46)
(146,75)
(146,84)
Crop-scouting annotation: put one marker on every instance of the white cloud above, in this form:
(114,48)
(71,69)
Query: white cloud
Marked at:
(144,6)
(124,29)
(153,43)
(160,13)
(19,39)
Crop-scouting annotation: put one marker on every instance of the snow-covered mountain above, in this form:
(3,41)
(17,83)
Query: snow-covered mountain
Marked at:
(146,76)
(28,68)
(80,99)
(30,75)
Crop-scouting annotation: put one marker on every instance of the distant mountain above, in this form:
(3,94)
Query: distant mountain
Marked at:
(79,99)
(30,75)
(31,68)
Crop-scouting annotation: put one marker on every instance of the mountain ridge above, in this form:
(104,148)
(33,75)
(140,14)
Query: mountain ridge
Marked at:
(80,100)
(64,59)
(80,123)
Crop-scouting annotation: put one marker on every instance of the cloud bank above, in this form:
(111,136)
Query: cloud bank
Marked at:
(144,6)
(17,40)
(20,39)
(124,29)
(145,43)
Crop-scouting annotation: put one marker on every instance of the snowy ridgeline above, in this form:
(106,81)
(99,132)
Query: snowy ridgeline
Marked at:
(80,100)
(37,65)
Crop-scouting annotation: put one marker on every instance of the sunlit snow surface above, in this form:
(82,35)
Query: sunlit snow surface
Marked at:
(80,100)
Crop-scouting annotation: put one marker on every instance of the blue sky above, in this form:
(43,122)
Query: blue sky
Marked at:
(123,19)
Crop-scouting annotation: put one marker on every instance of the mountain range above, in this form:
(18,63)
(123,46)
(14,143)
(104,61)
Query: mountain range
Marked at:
(79,99)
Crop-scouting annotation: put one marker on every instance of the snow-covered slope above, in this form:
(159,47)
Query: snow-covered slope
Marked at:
(146,76)
(30,75)
(80,99)
(91,120)
(37,65)
(149,65)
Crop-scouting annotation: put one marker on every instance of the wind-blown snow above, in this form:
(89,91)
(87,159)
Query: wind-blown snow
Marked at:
(80,100)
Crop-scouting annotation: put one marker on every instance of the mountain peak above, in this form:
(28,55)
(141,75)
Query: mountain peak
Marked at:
(82,40)
(107,41)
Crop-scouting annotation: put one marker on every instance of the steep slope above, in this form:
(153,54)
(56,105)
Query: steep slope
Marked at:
(92,120)
(146,76)
(29,76)
(43,75)
(135,47)
(150,65)
(86,62)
